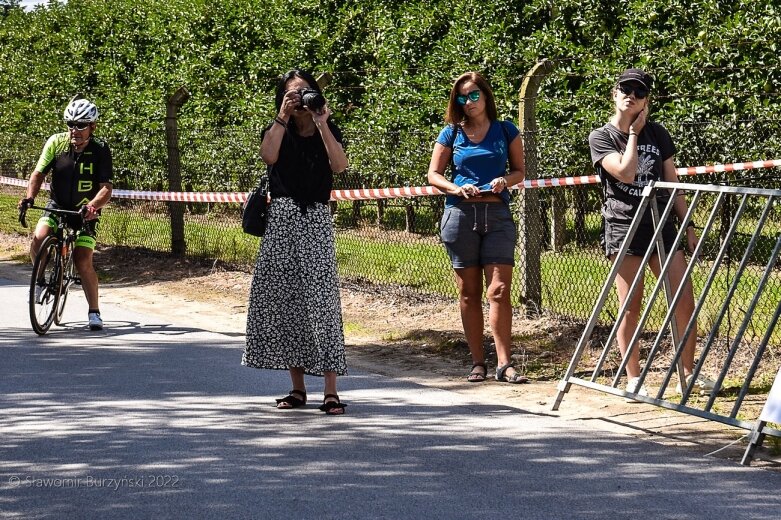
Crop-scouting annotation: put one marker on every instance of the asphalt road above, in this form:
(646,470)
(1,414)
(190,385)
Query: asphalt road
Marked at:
(153,419)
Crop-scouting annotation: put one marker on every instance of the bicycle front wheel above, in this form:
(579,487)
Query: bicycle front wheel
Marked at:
(45,286)
(68,278)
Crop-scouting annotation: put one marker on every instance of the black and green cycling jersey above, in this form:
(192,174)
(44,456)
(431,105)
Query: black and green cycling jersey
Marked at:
(76,177)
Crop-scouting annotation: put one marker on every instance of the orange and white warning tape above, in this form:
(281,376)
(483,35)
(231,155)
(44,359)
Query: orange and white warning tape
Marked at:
(402,192)
(732,167)
(181,196)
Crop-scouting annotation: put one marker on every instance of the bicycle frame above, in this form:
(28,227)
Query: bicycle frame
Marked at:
(53,271)
(65,265)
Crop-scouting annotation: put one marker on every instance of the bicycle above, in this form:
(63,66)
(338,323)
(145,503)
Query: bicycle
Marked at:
(53,270)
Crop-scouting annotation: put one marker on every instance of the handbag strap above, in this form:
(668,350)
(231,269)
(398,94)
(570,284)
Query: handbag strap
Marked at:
(264,182)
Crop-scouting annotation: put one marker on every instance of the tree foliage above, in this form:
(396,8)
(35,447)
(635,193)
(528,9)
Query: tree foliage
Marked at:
(393,63)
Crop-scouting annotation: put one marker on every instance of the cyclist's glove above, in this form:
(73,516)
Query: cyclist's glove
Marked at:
(88,212)
(24,205)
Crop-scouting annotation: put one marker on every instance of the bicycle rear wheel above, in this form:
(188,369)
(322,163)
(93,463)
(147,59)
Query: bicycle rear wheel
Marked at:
(68,278)
(48,276)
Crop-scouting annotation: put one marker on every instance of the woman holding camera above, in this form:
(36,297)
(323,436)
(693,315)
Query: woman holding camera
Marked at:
(477,227)
(294,319)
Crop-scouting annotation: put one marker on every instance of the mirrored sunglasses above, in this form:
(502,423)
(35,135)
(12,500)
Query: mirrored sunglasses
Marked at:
(473,96)
(77,125)
(640,91)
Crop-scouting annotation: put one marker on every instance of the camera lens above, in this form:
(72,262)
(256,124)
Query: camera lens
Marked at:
(312,99)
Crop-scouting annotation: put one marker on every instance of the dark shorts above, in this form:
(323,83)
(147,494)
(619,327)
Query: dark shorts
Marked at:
(85,235)
(613,234)
(478,234)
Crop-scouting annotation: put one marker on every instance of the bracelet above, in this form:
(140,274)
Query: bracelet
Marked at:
(280,121)
(632,133)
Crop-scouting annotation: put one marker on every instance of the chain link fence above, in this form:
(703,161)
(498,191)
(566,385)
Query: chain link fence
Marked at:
(394,242)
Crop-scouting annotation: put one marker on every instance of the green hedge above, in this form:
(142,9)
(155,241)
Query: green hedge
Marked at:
(392,64)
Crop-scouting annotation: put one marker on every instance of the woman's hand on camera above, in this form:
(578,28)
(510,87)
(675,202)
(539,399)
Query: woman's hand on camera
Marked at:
(321,115)
(290,102)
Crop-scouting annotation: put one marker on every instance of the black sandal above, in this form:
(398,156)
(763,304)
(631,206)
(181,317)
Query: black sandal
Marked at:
(292,401)
(516,378)
(477,377)
(332,407)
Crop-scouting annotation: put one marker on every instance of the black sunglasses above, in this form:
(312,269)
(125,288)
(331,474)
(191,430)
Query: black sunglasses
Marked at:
(640,91)
(77,125)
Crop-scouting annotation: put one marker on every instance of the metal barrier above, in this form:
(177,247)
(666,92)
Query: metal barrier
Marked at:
(771,412)
(755,220)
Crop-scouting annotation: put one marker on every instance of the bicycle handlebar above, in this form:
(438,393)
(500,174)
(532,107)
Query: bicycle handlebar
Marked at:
(56,211)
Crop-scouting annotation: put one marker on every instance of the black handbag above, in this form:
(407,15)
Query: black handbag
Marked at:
(255,214)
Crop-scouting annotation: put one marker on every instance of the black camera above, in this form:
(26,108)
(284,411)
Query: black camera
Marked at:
(311,99)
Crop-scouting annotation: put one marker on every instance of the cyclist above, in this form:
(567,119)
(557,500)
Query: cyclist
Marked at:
(81,170)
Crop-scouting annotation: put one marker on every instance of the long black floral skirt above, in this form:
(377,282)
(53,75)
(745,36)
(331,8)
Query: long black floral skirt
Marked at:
(294,317)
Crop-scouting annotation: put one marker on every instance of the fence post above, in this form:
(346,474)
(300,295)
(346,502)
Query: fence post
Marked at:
(176,209)
(558,228)
(324,79)
(529,221)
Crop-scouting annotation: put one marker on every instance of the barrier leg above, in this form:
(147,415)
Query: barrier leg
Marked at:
(755,441)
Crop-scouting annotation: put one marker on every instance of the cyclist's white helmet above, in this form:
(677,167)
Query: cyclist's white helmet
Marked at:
(81,110)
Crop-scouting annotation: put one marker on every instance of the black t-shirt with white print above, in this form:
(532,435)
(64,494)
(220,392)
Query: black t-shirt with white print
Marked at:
(654,146)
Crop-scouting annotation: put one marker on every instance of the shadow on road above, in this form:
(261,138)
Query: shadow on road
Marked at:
(170,425)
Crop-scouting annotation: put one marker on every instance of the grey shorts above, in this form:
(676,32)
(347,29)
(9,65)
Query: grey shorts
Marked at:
(613,234)
(478,233)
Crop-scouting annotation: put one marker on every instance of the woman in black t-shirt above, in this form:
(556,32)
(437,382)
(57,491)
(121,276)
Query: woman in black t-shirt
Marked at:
(294,319)
(628,153)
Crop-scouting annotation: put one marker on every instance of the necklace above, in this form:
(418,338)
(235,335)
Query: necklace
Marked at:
(474,131)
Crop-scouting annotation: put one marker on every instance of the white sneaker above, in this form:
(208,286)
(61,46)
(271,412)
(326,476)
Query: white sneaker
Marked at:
(95,323)
(703,385)
(631,387)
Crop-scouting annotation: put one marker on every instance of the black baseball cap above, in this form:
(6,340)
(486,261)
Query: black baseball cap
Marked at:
(637,75)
